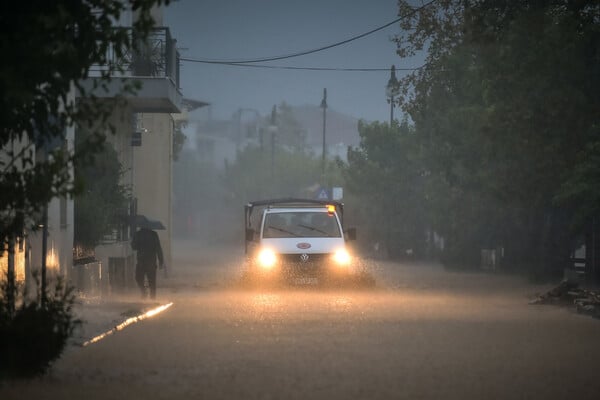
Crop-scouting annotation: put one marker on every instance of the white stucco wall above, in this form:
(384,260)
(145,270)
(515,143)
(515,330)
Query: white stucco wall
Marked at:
(153,172)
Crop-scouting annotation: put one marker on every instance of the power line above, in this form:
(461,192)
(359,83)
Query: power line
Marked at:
(262,66)
(303,53)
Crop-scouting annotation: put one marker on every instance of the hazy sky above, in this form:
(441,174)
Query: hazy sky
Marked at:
(248,29)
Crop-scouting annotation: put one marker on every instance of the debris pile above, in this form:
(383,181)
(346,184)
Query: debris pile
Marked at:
(569,293)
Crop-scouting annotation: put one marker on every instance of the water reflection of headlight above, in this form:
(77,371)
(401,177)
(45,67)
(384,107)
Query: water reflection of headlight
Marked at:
(342,257)
(267,258)
(264,302)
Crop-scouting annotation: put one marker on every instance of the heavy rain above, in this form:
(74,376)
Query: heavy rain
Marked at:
(292,200)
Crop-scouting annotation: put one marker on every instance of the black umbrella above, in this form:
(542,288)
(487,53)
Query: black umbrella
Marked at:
(144,222)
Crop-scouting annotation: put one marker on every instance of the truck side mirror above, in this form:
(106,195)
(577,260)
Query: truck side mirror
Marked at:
(351,234)
(249,234)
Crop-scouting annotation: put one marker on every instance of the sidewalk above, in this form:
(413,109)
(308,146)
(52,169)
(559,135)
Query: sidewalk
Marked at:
(99,315)
(195,267)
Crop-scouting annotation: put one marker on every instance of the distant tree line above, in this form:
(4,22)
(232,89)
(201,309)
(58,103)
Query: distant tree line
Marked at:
(501,146)
(278,165)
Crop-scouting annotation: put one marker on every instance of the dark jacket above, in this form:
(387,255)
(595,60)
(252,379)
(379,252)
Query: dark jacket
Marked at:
(147,244)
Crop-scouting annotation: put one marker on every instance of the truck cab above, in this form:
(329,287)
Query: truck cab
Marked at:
(298,238)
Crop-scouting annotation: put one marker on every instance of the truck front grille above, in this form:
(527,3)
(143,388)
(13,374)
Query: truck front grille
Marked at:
(304,258)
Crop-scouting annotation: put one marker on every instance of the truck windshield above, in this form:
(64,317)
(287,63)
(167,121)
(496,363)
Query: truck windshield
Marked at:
(301,224)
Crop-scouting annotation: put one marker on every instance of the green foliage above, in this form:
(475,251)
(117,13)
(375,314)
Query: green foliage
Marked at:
(103,203)
(506,109)
(208,201)
(258,173)
(36,333)
(48,49)
(504,146)
(384,181)
(289,131)
(580,188)
(282,167)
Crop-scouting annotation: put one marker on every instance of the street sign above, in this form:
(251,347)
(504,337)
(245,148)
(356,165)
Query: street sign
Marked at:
(337,193)
(323,194)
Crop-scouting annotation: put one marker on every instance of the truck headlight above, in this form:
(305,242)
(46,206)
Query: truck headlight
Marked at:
(267,258)
(342,257)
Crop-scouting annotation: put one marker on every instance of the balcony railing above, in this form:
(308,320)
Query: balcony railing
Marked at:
(156,56)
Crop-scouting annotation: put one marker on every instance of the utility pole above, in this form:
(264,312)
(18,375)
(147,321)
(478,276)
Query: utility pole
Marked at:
(324,107)
(273,129)
(392,90)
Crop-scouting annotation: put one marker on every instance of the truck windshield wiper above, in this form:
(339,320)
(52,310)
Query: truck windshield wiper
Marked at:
(312,228)
(282,230)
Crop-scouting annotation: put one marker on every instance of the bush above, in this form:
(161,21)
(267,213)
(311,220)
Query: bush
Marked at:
(36,333)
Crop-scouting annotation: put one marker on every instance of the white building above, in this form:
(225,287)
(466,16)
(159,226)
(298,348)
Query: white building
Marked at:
(147,165)
(144,144)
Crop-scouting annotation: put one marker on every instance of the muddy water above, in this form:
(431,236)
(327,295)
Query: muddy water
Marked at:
(421,332)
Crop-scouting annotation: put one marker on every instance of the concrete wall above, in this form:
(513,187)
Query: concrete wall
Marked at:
(124,124)
(153,172)
(147,171)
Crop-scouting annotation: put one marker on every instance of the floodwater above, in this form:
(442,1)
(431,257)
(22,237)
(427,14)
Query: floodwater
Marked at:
(420,333)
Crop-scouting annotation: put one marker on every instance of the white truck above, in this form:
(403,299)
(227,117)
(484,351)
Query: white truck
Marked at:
(298,239)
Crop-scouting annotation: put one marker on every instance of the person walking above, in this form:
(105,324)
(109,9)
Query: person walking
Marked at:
(147,244)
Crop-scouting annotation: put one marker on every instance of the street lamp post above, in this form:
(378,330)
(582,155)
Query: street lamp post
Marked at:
(324,107)
(273,131)
(392,90)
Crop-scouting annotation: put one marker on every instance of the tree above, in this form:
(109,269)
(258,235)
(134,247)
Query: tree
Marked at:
(289,131)
(48,48)
(254,175)
(384,177)
(103,205)
(281,166)
(507,108)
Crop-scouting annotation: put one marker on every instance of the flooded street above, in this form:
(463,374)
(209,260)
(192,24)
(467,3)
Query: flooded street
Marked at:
(195,137)
(421,332)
